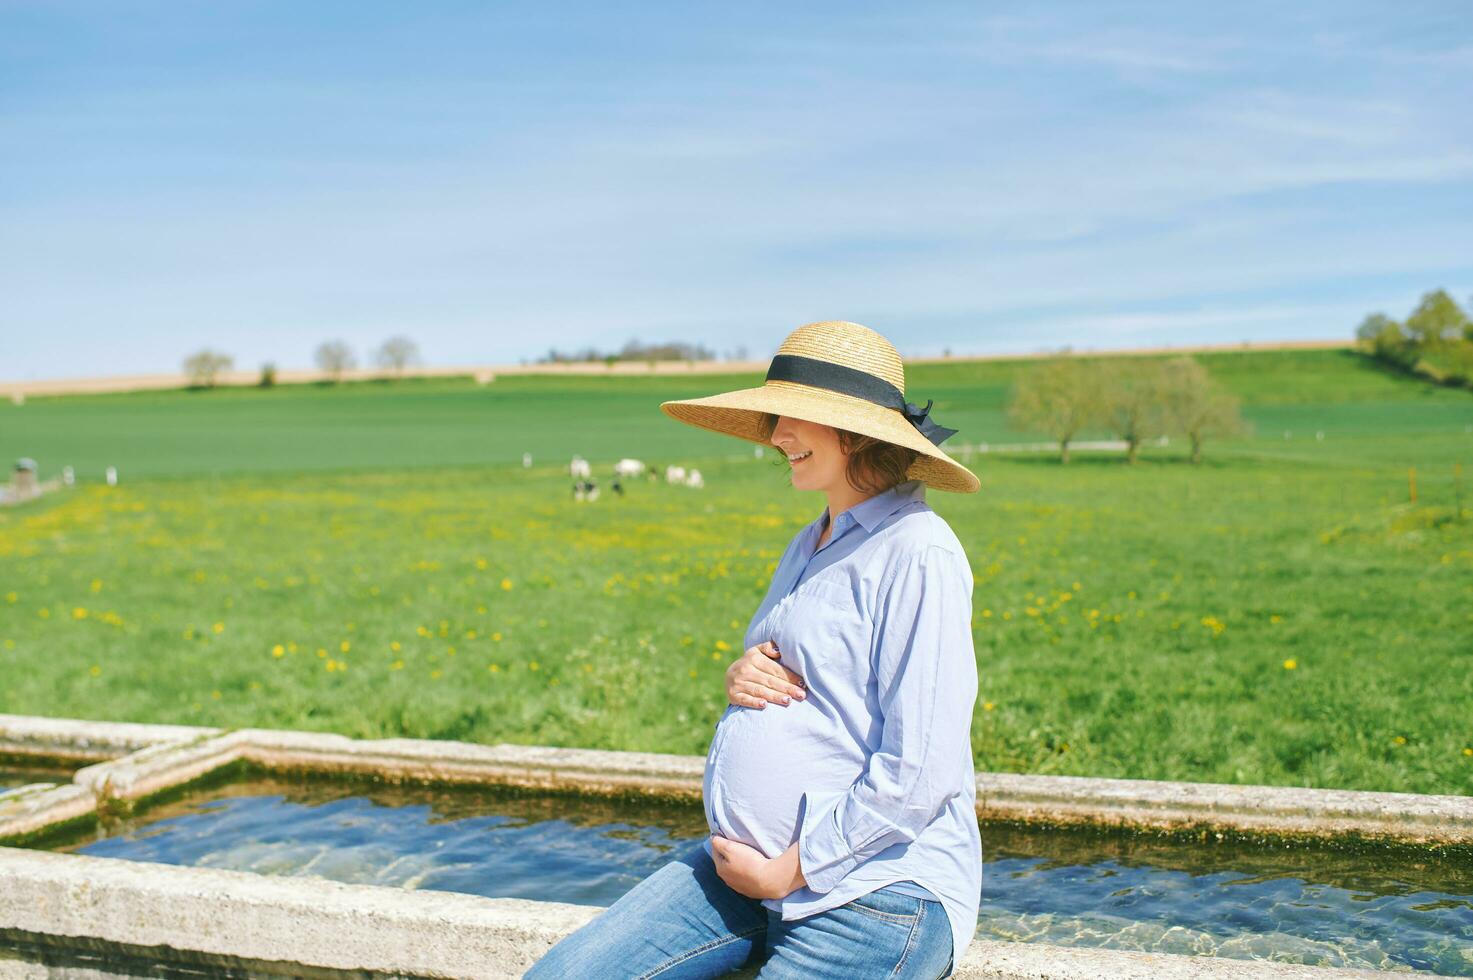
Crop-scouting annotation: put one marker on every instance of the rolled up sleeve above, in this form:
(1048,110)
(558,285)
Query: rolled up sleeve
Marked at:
(926,675)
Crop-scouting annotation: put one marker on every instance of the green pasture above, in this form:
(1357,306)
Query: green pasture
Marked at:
(374,560)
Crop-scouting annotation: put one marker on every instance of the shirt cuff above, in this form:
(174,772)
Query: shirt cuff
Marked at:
(824,855)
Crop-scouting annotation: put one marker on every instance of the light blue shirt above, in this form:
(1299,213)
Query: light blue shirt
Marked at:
(872,773)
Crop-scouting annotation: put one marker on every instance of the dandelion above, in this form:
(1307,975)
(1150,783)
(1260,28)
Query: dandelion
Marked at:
(434,675)
(481,609)
(397,665)
(97,585)
(321,653)
(96,671)
(394,645)
(692,672)
(470,634)
(218,627)
(987,705)
(345,646)
(494,668)
(12,597)
(1291,664)
(216,695)
(987,614)
(534,666)
(278,651)
(44,613)
(1213,623)
(422,631)
(188,633)
(506,584)
(722,645)
(1276,618)
(79,613)
(496,637)
(1468,751)
(1399,740)
(481,564)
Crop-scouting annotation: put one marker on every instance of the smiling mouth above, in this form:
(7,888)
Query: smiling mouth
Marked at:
(795,460)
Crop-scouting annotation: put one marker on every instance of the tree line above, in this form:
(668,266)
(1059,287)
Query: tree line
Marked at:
(334,358)
(1137,400)
(635,350)
(1434,341)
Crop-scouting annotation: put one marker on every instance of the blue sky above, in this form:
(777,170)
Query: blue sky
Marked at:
(493,179)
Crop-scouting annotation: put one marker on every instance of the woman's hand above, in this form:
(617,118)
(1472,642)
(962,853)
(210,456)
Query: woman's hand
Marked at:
(755,678)
(748,873)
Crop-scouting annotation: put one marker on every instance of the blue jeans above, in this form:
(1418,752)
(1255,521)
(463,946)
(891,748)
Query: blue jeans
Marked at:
(683,922)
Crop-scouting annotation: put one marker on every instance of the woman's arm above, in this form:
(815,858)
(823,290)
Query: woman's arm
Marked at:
(926,671)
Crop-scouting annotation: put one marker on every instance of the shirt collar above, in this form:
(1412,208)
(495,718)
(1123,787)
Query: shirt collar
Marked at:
(872,510)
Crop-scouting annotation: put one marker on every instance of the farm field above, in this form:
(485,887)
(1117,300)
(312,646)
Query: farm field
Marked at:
(374,560)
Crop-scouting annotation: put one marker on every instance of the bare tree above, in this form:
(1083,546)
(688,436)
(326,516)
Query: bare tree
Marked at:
(1196,406)
(1135,404)
(397,353)
(334,357)
(1060,397)
(202,367)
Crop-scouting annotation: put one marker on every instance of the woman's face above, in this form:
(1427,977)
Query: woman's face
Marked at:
(824,464)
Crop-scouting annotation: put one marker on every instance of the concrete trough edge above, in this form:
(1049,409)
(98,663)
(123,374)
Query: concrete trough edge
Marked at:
(328,924)
(30,810)
(88,741)
(181,754)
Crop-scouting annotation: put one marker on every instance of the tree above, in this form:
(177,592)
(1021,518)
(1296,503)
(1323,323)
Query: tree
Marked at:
(1437,318)
(1196,407)
(334,357)
(1134,403)
(268,375)
(202,367)
(1059,397)
(397,353)
(1383,337)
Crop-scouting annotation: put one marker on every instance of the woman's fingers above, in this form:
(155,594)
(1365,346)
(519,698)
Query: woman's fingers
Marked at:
(746,700)
(780,675)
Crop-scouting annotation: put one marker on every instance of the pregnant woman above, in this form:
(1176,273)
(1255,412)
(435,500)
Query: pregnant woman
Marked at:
(839,787)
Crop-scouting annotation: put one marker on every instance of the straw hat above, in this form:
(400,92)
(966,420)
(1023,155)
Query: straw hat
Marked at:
(842,375)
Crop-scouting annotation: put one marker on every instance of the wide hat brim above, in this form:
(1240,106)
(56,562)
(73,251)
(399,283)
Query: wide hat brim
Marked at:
(739,413)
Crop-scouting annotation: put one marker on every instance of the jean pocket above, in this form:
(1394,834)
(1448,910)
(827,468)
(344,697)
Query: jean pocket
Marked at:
(888,904)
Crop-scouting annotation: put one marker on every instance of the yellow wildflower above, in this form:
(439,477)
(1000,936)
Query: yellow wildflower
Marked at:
(506,583)
(218,627)
(79,613)
(278,651)
(722,645)
(345,646)
(1290,664)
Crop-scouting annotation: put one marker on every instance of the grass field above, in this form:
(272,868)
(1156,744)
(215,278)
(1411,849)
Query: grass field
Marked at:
(374,560)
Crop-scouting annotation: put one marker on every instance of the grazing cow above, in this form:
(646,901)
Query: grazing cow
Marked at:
(629,467)
(579,468)
(693,479)
(674,474)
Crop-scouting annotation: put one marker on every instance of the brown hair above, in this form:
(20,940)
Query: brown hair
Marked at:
(874,465)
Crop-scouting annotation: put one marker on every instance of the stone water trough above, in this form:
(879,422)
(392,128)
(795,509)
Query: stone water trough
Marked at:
(234,923)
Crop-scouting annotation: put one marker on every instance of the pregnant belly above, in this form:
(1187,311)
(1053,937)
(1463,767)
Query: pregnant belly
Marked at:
(762,762)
